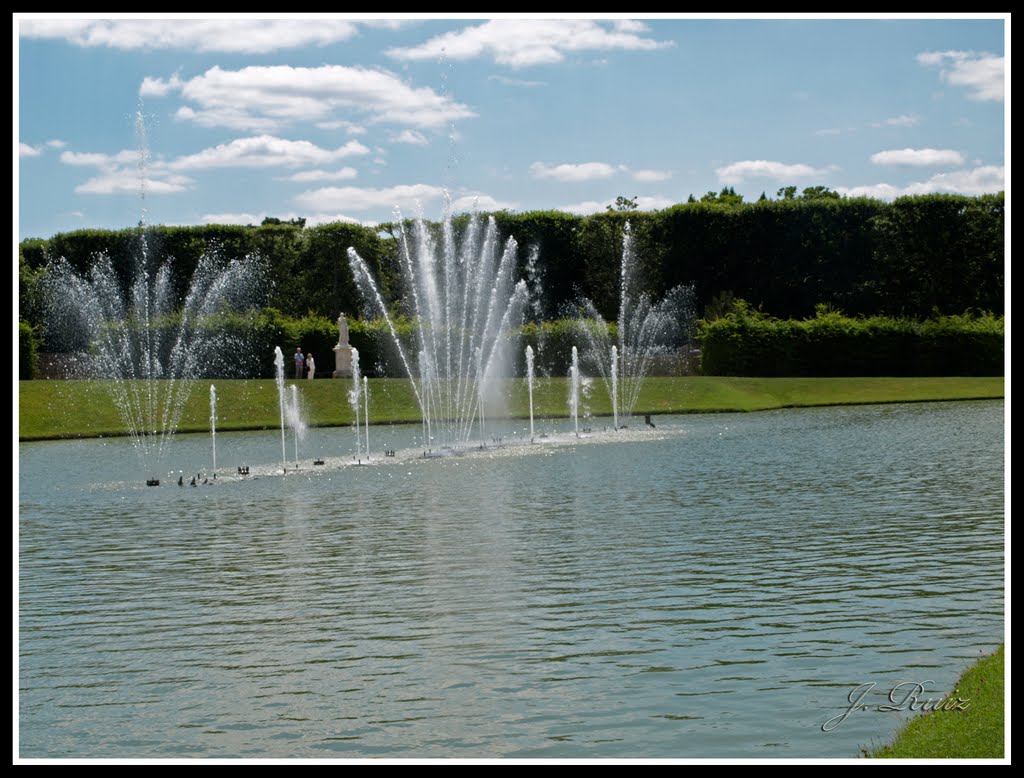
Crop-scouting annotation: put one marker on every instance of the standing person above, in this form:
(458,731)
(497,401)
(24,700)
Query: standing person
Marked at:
(299,362)
(310,366)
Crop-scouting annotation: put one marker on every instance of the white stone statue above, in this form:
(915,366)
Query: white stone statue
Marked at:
(343,351)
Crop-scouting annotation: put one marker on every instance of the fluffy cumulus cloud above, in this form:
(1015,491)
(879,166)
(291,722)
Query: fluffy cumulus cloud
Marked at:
(124,172)
(267,151)
(257,218)
(480,203)
(409,198)
(411,137)
(314,176)
(903,120)
(524,42)
(981,73)
(986,179)
(231,35)
(130,182)
(263,99)
(738,172)
(24,150)
(918,157)
(599,206)
(574,173)
(651,176)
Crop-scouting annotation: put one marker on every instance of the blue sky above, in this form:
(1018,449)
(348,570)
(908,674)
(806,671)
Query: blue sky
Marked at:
(347,118)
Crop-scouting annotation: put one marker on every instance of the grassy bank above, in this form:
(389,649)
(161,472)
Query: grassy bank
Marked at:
(61,409)
(974,733)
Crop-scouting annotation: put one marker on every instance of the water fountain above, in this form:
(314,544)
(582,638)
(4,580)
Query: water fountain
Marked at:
(574,391)
(213,425)
(646,331)
(149,343)
(529,384)
(281,401)
(464,301)
(355,401)
(293,412)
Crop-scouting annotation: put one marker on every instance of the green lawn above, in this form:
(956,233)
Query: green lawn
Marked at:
(56,409)
(974,733)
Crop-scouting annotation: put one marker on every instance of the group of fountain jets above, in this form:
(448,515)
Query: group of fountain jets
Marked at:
(463,299)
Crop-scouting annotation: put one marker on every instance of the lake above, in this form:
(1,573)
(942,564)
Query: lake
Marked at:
(715,587)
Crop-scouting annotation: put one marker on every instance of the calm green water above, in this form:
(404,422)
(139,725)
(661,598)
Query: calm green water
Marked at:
(713,588)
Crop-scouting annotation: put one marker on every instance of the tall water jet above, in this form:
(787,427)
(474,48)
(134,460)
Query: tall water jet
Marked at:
(295,420)
(574,390)
(366,415)
(529,383)
(646,331)
(464,302)
(615,385)
(281,401)
(354,397)
(147,334)
(213,425)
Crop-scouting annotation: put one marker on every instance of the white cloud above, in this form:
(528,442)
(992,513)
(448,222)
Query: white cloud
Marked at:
(586,171)
(986,179)
(24,150)
(738,172)
(650,176)
(128,181)
(918,157)
(312,176)
(408,197)
(524,42)
(267,151)
(237,34)
(257,218)
(56,144)
(516,82)
(94,159)
(599,206)
(410,136)
(481,203)
(158,87)
(121,173)
(980,72)
(340,124)
(263,99)
(232,218)
(903,120)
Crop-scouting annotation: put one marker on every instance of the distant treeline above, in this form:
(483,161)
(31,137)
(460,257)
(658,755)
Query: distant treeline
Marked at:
(915,257)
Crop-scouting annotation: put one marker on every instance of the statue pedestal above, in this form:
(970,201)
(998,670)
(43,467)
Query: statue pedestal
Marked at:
(342,361)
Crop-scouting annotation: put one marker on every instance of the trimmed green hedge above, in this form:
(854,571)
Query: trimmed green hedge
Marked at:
(28,351)
(830,344)
(907,258)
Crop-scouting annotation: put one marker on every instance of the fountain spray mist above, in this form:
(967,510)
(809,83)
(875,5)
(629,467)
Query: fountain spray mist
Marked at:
(529,383)
(213,425)
(354,397)
(279,368)
(574,390)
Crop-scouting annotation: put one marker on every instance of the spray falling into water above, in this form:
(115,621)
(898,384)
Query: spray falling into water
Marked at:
(646,331)
(213,425)
(279,375)
(366,415)
(529,383)
(464,301)
(354,397)
(615,386)
(148,336)
(574,390)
